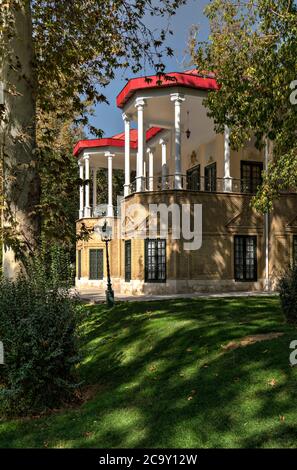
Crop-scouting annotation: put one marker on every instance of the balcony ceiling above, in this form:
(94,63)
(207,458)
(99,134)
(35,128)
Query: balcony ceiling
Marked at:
(159,111)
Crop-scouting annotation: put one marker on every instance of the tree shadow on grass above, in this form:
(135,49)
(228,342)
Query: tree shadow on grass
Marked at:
(168,382)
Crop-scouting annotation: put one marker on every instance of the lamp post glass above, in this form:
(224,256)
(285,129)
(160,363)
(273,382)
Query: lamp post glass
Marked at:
(106,236)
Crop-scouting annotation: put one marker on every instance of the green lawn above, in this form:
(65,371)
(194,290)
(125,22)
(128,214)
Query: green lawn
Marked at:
(162,379)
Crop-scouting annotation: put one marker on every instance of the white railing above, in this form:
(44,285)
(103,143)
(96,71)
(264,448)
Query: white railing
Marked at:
(192,183)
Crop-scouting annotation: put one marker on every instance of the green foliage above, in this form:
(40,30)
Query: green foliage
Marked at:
(288,294)
(161,379)
(78,47)
(59,185)
(252,50)
(38,331)
(102,186)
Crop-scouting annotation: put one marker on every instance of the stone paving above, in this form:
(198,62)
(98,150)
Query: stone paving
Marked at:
(93,296)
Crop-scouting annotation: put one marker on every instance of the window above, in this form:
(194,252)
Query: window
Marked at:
(155,260)
(96,264)
(251,176)
(245,258)
(210,176)
(127,260)
(193,178)
(294,250)
(79,264)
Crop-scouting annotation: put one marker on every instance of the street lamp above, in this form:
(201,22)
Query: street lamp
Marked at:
(188,132)
(106,236)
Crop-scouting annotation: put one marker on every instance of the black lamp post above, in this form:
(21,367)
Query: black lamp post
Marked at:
(188,132)
(106,236)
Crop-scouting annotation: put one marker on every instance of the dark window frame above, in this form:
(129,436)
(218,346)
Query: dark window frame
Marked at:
(210,180)
(158,273)
(128,260)
(100,273)
(250,184)
(190,177)
(79,255)
(294,250)
(243,277)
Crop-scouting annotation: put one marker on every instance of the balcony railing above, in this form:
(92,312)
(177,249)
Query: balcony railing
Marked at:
(193,183)
(101,211)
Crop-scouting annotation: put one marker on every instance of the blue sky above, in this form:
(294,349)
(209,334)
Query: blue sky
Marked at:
(109,117)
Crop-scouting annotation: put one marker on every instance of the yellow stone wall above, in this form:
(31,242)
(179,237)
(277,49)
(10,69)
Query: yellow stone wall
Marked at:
(211,267)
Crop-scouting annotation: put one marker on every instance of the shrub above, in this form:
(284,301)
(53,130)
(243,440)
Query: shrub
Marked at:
(288,294)
(38,330)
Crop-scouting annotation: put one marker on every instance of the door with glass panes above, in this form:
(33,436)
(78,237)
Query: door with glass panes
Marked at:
(251,176)
(245,258)
(96,264)
(155,260)
(210,177)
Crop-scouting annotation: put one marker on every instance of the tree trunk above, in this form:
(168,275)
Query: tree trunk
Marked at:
(21,186)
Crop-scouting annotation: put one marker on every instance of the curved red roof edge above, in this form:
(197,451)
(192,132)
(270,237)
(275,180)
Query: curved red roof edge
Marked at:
(115,141)
(188,79)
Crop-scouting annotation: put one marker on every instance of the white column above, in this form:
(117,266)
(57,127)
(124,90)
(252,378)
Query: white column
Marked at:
(127,155)
(94,188)
(163,144)
(81,189)
(227,174)
(140,104)
(177,98)
(266,226)
(109,176)
(136,168)
(150,152)
(144,176)
(87,208)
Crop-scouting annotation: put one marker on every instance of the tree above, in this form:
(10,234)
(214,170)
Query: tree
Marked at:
(57,56)
(59,177)
(21,186)
(252,50)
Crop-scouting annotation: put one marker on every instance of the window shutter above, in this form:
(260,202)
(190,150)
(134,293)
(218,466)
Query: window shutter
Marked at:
(96,264)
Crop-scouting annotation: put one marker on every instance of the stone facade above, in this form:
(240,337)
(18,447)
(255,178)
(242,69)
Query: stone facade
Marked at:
(211,268)
(176,158)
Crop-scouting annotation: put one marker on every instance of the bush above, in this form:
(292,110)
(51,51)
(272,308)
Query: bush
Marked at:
(38,331)
(288,294)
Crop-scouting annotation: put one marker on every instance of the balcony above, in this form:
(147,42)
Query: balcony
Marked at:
(194,183)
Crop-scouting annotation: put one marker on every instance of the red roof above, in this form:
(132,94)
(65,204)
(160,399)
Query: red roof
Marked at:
(117,140)
(188,79)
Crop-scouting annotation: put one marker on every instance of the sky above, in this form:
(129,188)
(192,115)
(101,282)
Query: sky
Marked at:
(109,117)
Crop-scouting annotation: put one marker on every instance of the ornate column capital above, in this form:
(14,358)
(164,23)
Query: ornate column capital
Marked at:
(140,103)
(177,98)
(126,117)
(109,154)
(163,141)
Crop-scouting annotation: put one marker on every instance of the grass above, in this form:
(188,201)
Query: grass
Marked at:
(162,379)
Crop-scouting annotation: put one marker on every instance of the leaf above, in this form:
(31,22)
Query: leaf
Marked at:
(272,382)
